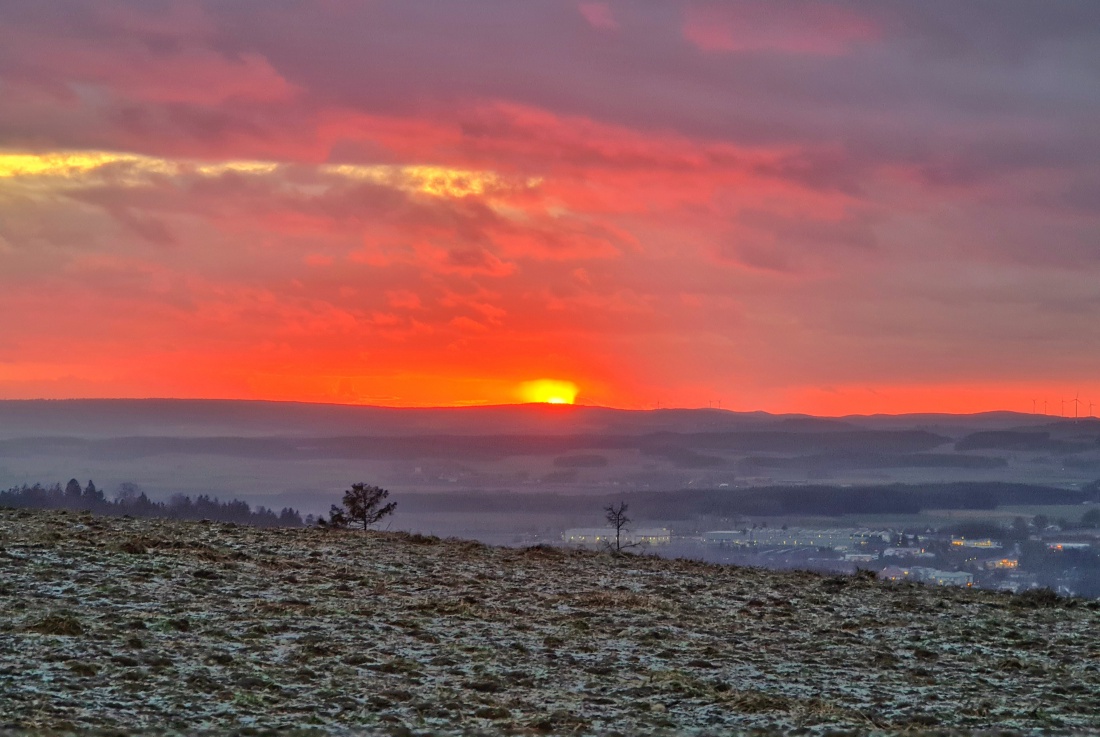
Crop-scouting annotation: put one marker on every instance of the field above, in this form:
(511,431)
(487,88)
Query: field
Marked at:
(128,625)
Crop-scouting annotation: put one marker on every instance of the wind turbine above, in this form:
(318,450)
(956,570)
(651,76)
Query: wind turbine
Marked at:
(1063,414)
(1044,406)
(1033,406)
(1076,404)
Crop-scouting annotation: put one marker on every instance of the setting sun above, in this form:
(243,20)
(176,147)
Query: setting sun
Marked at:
(548,391)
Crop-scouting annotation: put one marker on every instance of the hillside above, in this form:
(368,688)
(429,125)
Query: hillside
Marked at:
(136,624)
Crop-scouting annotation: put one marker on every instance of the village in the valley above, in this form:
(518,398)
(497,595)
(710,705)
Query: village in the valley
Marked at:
(1029,555)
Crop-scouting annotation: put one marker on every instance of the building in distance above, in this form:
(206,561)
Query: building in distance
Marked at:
(909,552)
(984,543)
(596,537)
(841,539)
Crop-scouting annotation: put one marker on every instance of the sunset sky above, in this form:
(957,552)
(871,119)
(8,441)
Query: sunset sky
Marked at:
(826,208)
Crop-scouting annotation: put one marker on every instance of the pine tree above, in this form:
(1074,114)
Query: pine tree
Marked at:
(92,495)
(363,505)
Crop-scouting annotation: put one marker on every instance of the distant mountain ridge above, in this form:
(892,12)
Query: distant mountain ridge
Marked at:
(487,447)
(202,417)
(268,452)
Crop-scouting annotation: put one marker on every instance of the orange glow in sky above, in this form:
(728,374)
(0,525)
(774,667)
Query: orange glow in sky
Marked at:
(688,204)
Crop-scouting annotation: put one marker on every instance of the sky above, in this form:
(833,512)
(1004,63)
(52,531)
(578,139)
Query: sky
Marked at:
(828,208)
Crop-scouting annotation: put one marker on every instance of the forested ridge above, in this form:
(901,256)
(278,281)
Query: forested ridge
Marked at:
(129,499)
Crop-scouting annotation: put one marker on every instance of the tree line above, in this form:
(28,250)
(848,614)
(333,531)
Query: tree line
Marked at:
(130,499)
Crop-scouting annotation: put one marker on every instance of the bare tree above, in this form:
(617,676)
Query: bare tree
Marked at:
(363,505)
(616,517)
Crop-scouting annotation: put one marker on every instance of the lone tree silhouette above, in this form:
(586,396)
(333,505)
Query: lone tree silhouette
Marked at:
(616,517)
(362,507)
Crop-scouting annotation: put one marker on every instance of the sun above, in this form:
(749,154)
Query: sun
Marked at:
(548,391)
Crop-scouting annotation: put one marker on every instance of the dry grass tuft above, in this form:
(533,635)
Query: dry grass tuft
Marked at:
(415,538)
(752,702)
(133,547)
(1038,599)
(58,624)
(543,551)
(611,600)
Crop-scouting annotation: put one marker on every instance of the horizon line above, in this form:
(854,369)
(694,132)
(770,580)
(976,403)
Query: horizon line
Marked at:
(558,407)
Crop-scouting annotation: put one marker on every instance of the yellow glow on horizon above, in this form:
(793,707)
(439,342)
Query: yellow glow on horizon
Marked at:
(548,391)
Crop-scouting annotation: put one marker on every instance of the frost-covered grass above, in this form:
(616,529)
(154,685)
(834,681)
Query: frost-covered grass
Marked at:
(135,625)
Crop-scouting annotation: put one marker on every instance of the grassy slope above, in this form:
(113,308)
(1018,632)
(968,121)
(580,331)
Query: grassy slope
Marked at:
(128,624)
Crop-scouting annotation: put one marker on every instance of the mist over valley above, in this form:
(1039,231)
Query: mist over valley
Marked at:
(526,474)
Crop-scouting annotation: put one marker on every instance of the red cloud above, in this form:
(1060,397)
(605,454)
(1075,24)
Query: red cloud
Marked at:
(129,71)
(598,15)
(806,28)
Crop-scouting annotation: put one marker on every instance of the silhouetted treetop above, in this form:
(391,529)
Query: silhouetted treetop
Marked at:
(362,508)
